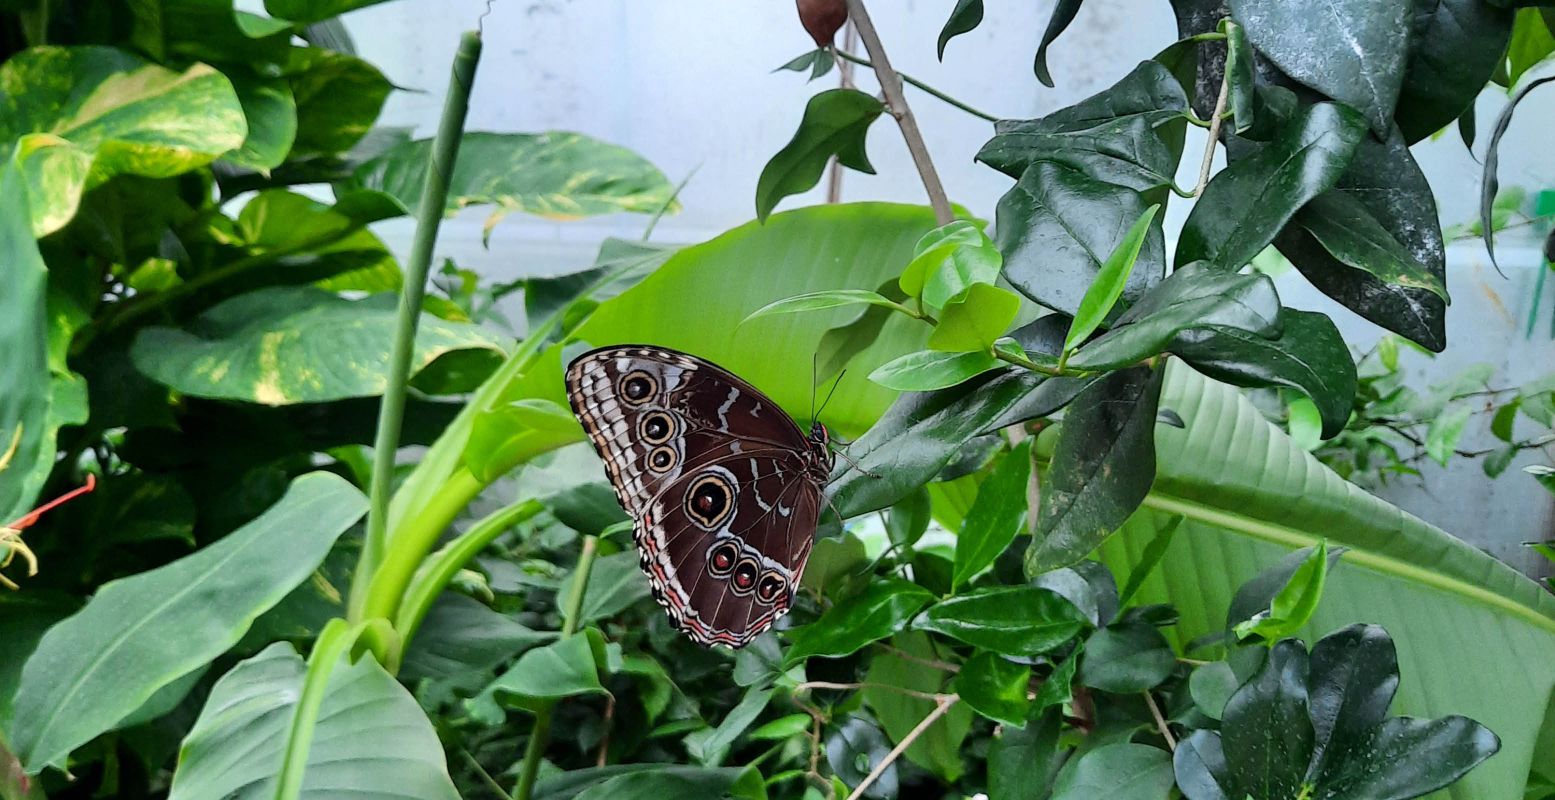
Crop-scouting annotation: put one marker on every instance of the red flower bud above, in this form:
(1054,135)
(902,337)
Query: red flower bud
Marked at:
(822,18)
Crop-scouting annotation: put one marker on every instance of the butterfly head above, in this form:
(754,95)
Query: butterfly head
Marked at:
(821,456)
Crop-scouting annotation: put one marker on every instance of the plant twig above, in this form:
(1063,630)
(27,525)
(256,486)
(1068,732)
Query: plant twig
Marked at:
(891,85)
(540,735)
(941,706)
(930,90)
(807,685)
(845,81)
(480,771)
(1214,133)
(429,213)
(927,662)
(1160,722)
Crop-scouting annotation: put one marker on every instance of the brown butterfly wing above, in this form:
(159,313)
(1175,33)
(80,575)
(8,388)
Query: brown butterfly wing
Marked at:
(715,476)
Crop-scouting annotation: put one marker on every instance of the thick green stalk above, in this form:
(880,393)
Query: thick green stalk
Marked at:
(429,213)
(414,539)
(540,736)
(334,640)
(438,570)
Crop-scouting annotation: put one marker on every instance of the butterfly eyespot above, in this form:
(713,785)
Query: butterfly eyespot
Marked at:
(722,557)
(661,459)
(744,577)
(770,587)
(637,387)
(710,499)
(656,427)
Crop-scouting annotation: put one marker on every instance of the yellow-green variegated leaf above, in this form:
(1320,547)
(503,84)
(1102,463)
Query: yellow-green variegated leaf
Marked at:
(1474,637)
(334,249)
(554,174)
(76,116)
(291,344)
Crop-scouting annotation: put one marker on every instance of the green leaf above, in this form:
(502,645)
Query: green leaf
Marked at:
(615,584)
(1266,731)
(338,99)
(1199,765)
(1118,772)
(557,174)
(314,10)
(564,668)
(1490,183)
(909,519)
(462,635)
(964,18)
(140,633)
(1240,65)
(881,610)
(995,688)
(949,260)
(1128,658)
(1111,136)
(1056,228)
(998,514)
(370,736)
(835,124)
(271,112)
(1195,296)
(24,618)
(287,345)
(1018,621)
(1441,438)
(1211,685)
(513,433)
(1149,559)
(1384,177)
(818,61)
(322,244)
(1455,47)
(974,319)
(1103,466)
(1110,279)
(938,747)
(1531,42)
(815,301)
(930,369)
(1294,604)
(919,435)
(1505,417)
(1063,14)
(88,113)
(1309,356)
(27,423)
(712,748)
(1022,759)
(1351,50)
(1248,202)
(1058,688)
(781,728)
(1346,229)
(651,782)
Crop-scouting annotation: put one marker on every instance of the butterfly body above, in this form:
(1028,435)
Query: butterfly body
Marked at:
(723,487)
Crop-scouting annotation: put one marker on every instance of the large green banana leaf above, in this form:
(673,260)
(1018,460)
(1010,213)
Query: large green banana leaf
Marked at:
(1474,637)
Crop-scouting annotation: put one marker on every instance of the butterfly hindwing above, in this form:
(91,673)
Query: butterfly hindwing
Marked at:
(721,483)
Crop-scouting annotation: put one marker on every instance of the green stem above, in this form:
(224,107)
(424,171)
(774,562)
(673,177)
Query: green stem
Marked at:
(540,736)
(334,640)
(413,540)
(864,62)
(435,574)
(1010,358)
(429,213)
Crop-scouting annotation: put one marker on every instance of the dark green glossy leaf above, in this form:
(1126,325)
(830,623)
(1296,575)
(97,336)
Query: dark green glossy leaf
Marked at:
(1022,760)
(1384,177)
(713,748)
(1200,767)
(882,610)
(1111,136)
(853,749)
(1057,226)
(1351,50)
(1194,296)
(1211,686)
(1063,14)
(1242,94)
(965,17)
(1406,757)
(1102,468)
(1088,586)
(1309,356)
(1455,47)
(835,124)
(1257,594)
(1105,291)
(1344,226)
(1265,730)
(271,112)
(1058,687)
(996,516)
(908,519)
(462,635)
(1490,182)
(938,747)
(338,98)
(1017,621)
(1248,203)
(1124,771)
(994,687)
(1045,399)
(973,320)
(928,370)
(1352,678)
(1127,658)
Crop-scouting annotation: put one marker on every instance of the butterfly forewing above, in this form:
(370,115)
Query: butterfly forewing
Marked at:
(720,482)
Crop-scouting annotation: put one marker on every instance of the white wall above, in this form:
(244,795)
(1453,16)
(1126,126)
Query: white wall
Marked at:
(689,85)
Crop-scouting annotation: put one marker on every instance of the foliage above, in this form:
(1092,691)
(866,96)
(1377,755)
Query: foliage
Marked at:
(212,363)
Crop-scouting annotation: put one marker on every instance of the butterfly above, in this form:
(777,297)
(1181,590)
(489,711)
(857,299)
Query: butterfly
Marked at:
(723,487)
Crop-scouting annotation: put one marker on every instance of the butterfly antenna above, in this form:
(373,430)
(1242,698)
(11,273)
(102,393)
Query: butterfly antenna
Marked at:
(815,368)
(830,393)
